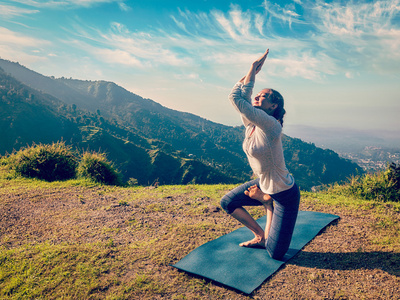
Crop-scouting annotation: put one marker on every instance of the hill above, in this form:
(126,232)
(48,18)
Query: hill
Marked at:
(28,116)
(79,240)
(212,147)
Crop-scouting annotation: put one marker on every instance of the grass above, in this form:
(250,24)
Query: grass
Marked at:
(82,240)
(45,269)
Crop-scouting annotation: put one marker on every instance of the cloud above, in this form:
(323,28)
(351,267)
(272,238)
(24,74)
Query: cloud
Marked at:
(117,57)
(191,76)
(333,39)
(17,47)
(360,35)
(236,39)
(285,14)
(123,6)
(8,11)
(241,20)
(15,39)
(226,25)
(119,45)
(356,19)
(304,65)
(150,48)
(180,24)
(71,3)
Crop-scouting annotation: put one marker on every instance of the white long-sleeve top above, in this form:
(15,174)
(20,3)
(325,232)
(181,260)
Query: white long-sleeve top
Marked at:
(263,147)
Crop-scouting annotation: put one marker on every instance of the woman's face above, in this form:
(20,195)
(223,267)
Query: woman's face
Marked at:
(261,100)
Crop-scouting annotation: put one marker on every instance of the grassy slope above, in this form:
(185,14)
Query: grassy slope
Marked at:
(78,240)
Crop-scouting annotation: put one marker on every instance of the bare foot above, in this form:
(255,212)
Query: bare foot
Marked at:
(257,242)
(255,193)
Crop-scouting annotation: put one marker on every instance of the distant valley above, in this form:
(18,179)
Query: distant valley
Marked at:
(146,141)
(373,159)
(346,140)
(371,150)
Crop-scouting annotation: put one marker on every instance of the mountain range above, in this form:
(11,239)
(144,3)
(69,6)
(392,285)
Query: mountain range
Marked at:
(145,140)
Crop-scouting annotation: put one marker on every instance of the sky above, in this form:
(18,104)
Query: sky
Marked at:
(337,63)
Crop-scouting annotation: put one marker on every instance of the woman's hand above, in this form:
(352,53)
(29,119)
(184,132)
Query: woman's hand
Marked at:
(255,68)
(260,62)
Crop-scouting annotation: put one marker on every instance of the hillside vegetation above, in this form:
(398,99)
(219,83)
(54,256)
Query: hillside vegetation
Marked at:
(77,239)
(139,135)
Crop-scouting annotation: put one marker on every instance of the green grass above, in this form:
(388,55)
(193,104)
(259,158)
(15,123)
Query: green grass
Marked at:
(45,269)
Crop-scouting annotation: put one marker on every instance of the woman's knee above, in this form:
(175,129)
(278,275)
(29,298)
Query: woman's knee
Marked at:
(277,254)
(225,201)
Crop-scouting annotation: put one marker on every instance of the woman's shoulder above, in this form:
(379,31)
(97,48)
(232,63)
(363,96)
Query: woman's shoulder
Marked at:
(270,126)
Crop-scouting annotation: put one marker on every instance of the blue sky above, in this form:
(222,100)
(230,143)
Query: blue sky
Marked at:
(337,63)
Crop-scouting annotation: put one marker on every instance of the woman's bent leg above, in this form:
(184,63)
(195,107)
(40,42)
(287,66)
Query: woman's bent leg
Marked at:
(283,222)
(233,203)
(236,197)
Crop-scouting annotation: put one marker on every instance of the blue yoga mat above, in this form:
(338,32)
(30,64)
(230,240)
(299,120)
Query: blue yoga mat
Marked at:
(245,269)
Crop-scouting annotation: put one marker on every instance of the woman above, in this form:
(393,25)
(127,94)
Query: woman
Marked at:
(263,120)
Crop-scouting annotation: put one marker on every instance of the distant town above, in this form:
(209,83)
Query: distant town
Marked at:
(373,159)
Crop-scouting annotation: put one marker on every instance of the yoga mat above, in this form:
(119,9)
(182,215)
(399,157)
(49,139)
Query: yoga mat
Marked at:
(245,269)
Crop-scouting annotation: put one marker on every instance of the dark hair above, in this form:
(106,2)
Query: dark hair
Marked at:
(276,98)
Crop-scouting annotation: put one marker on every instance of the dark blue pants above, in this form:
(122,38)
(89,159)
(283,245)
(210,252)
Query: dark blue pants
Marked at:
(286,207)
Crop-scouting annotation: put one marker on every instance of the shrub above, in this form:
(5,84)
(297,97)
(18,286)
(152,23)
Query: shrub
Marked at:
(382,186)
(96,167)
(49,162)
(133,182)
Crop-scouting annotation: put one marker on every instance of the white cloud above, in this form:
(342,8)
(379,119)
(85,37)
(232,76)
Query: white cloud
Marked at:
(146,47)
(71,3)
(349,38)
(241,20)
(117,57)
(225,24)
(119,45)
(179,24)
(284,14)
(8,11)
(123,6)
(191,76)
(356,18)
(15,39)
(259,23)
(236,41)
(304,64)
(361,34)
(17,47)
